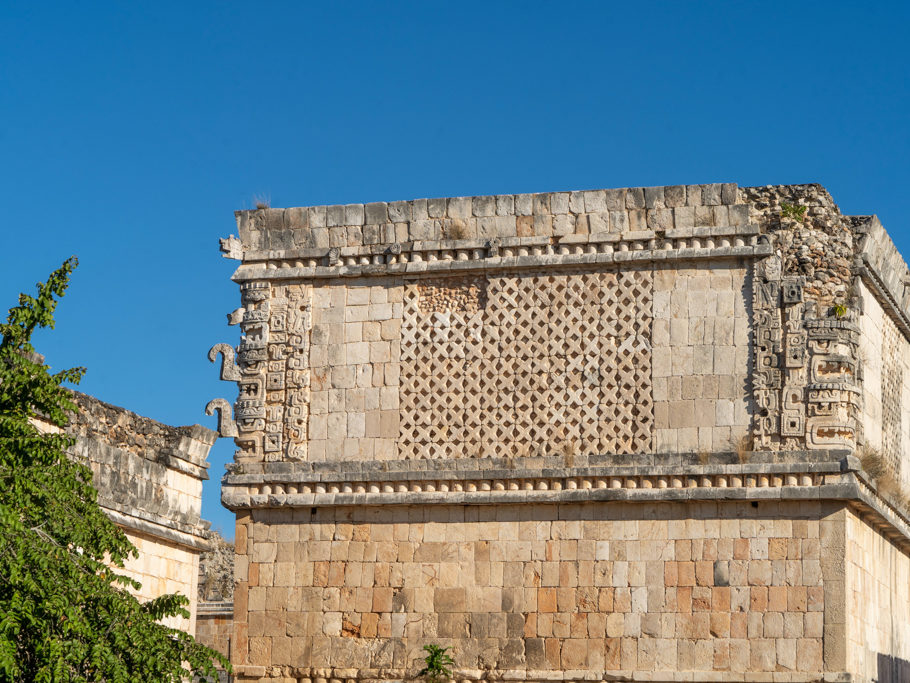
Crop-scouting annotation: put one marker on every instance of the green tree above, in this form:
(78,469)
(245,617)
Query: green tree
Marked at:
(66,614)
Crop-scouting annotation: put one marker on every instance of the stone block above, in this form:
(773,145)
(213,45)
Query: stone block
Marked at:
(654,198)
(635,198)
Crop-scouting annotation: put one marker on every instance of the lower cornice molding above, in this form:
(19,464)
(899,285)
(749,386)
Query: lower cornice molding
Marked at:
(197,541)
(837,480)
(313,675)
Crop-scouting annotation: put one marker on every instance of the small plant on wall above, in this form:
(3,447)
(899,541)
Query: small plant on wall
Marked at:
(793,211)
(437,664)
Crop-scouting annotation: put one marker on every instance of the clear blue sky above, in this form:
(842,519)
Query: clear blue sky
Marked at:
(130,133)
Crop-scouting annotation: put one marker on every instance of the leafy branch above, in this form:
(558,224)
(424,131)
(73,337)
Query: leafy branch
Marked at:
(66,613)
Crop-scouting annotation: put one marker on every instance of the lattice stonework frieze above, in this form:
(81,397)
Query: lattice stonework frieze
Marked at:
(892,386)
(508,364)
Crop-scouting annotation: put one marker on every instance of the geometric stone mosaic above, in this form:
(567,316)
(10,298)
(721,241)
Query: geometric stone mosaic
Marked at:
(892,384)
(524,363)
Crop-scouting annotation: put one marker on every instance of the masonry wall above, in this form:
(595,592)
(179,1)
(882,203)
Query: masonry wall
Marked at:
(568,434)
(701,358)
(524,363)
(885,355)
(149,480)
(164,567)
(878,604)
(594,587)
(215,627)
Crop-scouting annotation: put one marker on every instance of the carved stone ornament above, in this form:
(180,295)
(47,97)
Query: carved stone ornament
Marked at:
(229,370)
(226,426)
(231,247)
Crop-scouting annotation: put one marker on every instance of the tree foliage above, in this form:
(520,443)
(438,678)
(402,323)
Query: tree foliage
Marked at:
(66,613)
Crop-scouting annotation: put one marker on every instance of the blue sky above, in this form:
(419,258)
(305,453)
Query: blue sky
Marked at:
(130,133)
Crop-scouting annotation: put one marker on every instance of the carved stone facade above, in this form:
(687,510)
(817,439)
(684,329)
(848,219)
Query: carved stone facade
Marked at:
(529,362)
(603,434)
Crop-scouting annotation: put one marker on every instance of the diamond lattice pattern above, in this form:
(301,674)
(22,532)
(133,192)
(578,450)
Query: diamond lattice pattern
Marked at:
(547,363)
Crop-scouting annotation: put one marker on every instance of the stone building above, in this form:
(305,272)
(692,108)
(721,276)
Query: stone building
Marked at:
(638,434)
(149,478)
(215,611)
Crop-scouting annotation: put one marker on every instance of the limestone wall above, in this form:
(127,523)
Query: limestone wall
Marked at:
(701,358)
(519,364)
(878,606)
(885,355)
(164,567)
(607,431)
(602,588)
(215,629)
(149,480)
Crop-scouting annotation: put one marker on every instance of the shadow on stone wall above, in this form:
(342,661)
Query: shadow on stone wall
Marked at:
(892,669)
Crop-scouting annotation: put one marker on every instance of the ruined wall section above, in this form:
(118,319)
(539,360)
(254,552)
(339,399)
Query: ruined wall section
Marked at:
(806,376)
(818,248)
(149,479)
(143,469)
(215,612)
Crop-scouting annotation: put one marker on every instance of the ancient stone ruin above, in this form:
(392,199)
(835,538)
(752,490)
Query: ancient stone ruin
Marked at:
(215,611)
(149,478)
(638,434)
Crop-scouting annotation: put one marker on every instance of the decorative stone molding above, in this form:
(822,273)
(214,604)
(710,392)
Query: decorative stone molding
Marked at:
(315,675)
(515,252)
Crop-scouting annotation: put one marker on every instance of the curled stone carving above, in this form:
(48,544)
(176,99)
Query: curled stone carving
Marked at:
(226,426)
(229,370)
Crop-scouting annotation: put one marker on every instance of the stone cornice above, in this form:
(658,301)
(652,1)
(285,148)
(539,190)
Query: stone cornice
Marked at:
(884,296)
(457,256)
(247,671)
(167,530)
(840,479)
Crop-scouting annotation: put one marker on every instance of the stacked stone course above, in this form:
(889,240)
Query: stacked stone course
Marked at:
(576,435)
